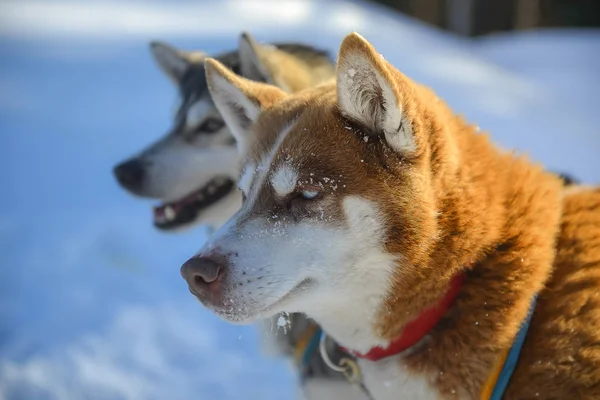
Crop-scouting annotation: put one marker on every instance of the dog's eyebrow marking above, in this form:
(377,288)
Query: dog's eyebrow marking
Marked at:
(196,113)
(245,182)
(262,170)
(284,180)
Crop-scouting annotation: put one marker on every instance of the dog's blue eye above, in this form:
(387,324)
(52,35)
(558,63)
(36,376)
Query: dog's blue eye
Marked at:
(309,194)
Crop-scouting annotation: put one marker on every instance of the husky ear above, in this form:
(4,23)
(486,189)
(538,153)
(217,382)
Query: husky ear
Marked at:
(264,63)
(251,64)
(172,61)
(368,94)
(239,100)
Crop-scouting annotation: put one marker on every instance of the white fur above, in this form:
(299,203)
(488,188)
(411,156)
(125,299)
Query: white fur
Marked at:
(326,389)
(351,274)
(388,379)
(264,167)
(359,84)
(197,112)
(231,102)
(284,180)
(365,278)
(349,266)
(246,178)
(179,169)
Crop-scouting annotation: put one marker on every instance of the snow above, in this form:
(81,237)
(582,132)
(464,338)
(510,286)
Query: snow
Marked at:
(566,63)
(91,302)
(567,60)
(282,321)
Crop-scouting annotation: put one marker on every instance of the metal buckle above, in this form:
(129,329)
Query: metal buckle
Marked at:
(347,367)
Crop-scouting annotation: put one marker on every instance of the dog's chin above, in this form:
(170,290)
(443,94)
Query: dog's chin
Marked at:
(247,317)
(242,314)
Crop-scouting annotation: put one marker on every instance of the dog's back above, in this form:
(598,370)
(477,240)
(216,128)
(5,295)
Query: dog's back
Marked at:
(561,357)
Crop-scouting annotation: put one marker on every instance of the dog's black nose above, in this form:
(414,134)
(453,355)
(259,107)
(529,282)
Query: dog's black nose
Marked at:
(130,173)
(200,272)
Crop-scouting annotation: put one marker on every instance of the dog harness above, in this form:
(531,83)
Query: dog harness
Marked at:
(498,379)
(311,363)
(307,344)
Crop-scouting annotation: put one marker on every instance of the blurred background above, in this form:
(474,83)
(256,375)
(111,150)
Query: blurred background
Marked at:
(91,302)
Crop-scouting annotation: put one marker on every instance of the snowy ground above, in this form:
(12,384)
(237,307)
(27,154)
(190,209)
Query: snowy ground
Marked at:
(91,302)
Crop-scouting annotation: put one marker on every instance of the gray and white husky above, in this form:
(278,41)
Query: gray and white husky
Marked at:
(193,167)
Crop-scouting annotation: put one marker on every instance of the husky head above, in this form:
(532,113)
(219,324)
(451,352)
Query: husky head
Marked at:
(339,202)
(192,169)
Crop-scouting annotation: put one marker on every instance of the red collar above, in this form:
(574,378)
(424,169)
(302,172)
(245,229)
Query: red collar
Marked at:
(418,328)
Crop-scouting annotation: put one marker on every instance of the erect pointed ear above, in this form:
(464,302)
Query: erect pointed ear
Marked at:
(172,61)
(369,94)
(252,67)
(267,63)
(239,100)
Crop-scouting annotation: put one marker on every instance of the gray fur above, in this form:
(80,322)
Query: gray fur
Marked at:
(187,158)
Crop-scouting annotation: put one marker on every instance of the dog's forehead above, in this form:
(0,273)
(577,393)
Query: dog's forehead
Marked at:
(285,129)
(194,94)
(193,85)
(302,142)
(195,101)
(318,140)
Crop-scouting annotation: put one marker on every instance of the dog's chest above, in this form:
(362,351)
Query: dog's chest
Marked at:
(387,379)
(329,389)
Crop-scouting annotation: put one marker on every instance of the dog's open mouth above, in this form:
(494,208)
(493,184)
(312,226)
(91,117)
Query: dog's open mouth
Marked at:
(185,210)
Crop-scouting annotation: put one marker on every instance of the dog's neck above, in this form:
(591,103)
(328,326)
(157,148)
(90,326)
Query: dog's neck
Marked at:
(352,323)
(417,329)
(494,208)
(349,317)
(498,214)
(352,329)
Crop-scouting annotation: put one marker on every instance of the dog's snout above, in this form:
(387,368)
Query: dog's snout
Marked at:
(130,173)
(200,273)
